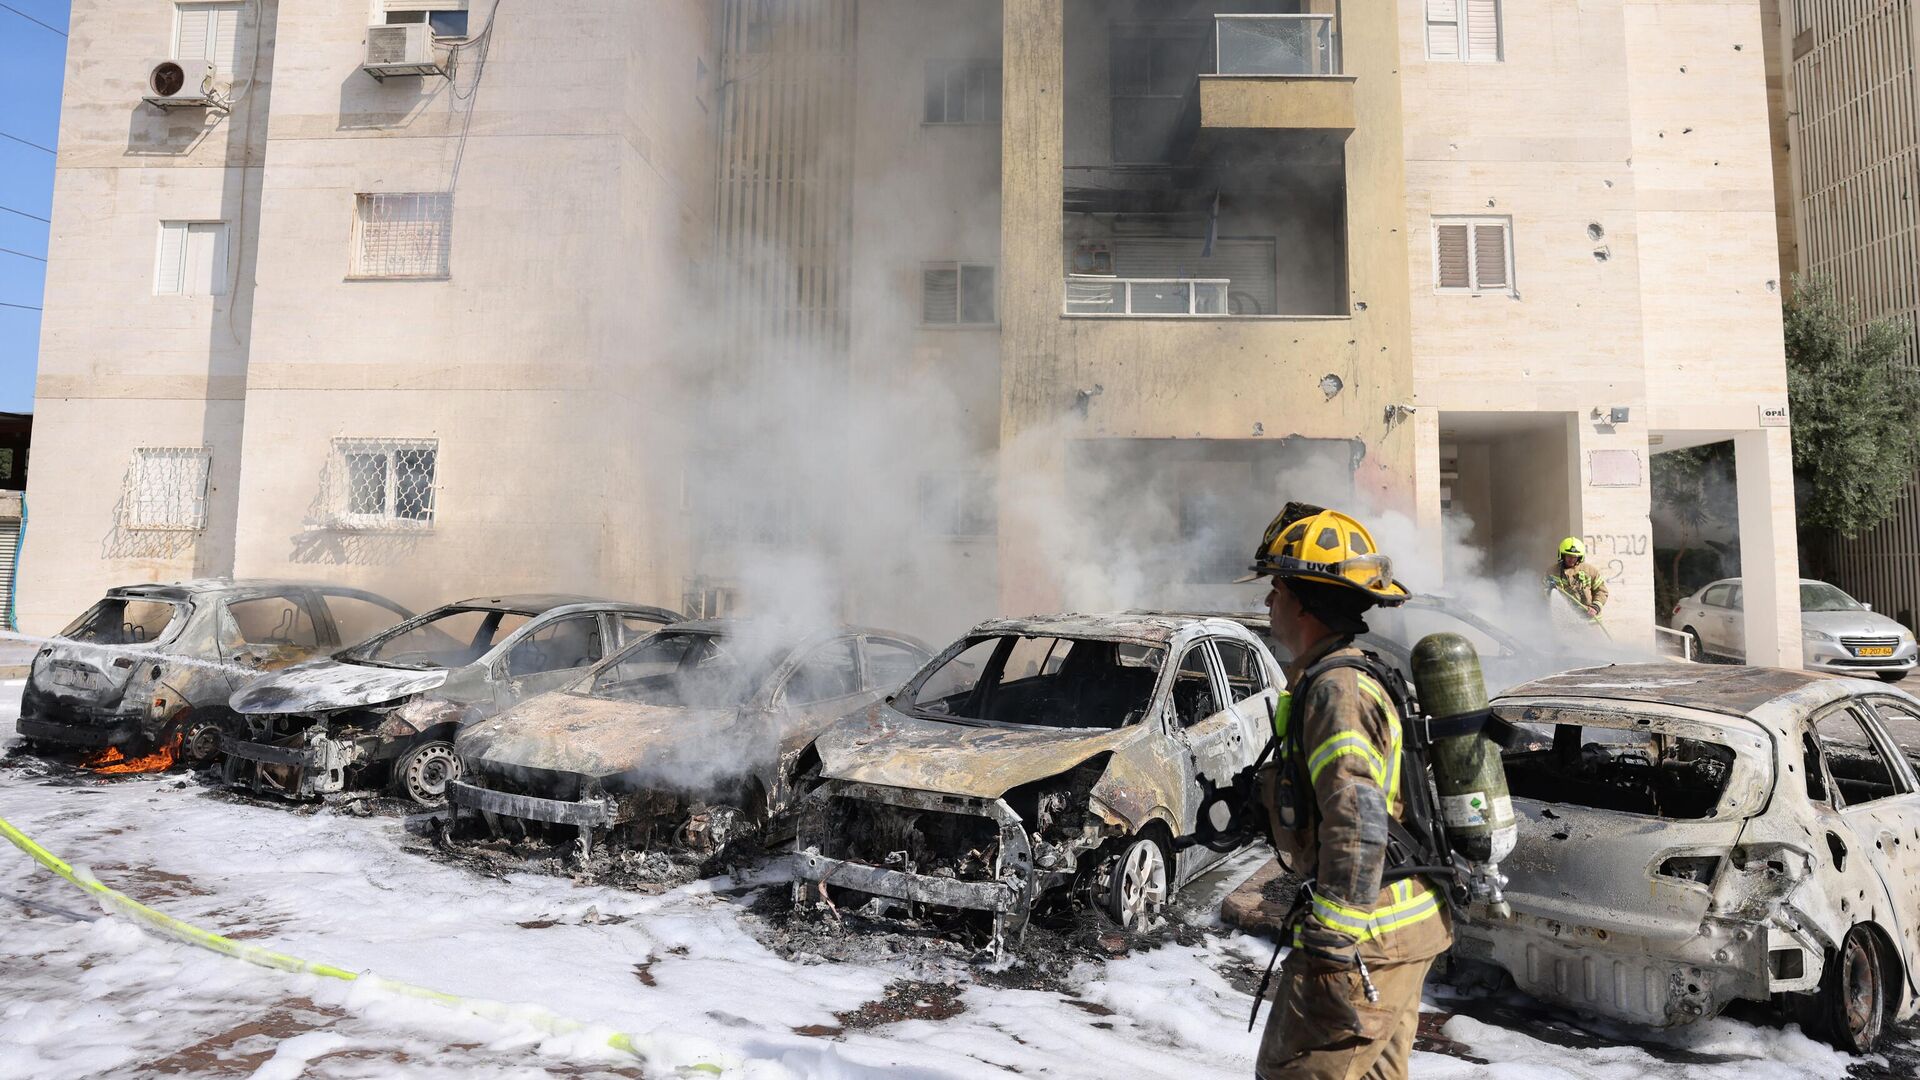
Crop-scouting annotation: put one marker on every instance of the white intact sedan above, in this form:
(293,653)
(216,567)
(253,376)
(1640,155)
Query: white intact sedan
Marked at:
(1837,632)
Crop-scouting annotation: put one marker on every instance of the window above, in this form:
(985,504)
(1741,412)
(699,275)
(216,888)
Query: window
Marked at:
(963,92)
(1193,699)
(956,294)
(1717,596)
(1245,676)
(167,489)
(635,627)
(447,17)
(207,34)
(448,637)
(120,621)
(1859,768)
(358,616)
(402,235)
(1152,67)
(830,671)
(891,663)
(1041,681)
(1472,255)
(564,643)
(384,482)
(274,620)
(1464,30)
(958,503)
(191,259)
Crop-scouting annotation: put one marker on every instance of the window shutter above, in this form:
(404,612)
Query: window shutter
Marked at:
(192,41)
(224,50)
(204,272)
(1490,256)
(1450,257)
(940,294)
(171,256)
(1443,29)
(1483,29)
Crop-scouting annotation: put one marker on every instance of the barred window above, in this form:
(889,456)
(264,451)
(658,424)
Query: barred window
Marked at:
(384,483)
(402,235)
(963,92)
(166,489)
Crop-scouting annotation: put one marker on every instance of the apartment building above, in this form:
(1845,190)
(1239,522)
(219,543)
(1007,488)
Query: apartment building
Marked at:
(986,305)
(1849,154)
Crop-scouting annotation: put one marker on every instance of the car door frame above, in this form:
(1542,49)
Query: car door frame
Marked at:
(1868,843)
(1205,751)
(506,693)
(335,642)
(224,620)
(860,650)
(771,702)
(1707,623)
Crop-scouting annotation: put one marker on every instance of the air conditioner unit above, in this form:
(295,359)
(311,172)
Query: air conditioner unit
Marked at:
(173,85)
(401,49)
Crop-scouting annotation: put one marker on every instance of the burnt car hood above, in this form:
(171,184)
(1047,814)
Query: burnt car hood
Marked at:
(589,736)
(330,686)
(889,748)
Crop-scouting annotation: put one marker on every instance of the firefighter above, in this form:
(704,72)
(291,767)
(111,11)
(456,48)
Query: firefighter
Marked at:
(1577,578)
(1348,1002)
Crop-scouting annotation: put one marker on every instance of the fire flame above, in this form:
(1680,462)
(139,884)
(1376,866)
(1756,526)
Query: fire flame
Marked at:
(112,762)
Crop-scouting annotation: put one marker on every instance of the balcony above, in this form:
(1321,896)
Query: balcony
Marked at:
(1277,72)
(1099,294)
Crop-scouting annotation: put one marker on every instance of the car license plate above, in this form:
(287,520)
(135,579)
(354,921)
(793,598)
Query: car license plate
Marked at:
(1874,650)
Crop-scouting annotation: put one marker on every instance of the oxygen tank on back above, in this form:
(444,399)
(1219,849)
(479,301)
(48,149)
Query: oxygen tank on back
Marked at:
(1475,808)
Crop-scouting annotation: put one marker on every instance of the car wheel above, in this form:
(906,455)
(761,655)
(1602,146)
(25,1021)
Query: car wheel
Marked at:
(1699,647)
(203,742)
(1137,885)
(1850,1009)
(423,773)
(1892,676)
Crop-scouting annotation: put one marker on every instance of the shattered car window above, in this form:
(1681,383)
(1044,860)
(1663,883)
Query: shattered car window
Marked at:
(1859,769)
(274,620)
(114,621)
(1041,681)
(1613,763)
(830,672)
(563,643)
(450,637)
(680,669)
(890,663)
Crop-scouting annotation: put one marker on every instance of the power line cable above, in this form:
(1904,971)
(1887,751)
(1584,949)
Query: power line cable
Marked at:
(22,254)
(23,142)
(33,20)
(24,214)
(22,307)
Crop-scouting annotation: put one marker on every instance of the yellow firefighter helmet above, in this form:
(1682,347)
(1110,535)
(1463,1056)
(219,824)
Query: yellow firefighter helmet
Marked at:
(1316,544)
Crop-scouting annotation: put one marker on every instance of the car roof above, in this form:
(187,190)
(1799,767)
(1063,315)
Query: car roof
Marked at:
(1719,688)
(540,603)
(733,624)
(181,590)
(1145,627)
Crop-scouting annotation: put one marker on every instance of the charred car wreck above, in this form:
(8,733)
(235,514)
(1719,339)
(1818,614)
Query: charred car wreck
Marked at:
(1696,835)
(682,741)
(1039,761)
(386,711)
(151,667)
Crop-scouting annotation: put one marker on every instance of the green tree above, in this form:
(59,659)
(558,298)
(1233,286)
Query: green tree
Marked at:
(1856,411)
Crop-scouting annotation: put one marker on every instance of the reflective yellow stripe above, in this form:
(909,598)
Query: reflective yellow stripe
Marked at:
(1378,694)
(1413,901)
(1339,746)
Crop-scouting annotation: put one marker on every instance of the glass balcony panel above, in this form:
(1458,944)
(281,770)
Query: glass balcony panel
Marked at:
(1275,45)
(1162,298)
(1096,296)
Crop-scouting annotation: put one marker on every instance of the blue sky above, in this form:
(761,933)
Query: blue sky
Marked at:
(32,61)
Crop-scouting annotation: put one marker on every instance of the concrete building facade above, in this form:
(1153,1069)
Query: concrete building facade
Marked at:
(1067,295)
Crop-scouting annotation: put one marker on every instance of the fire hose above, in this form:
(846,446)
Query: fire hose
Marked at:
(168,926)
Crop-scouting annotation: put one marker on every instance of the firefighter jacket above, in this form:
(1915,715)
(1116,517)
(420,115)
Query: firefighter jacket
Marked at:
(1584,584)
(1351,739)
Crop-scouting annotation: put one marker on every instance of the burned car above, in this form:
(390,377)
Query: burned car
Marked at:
(1039,761)
(1697,835)
(150,667)
(683,740)
(386,711)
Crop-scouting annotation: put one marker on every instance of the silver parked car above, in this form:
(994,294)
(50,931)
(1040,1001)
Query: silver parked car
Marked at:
(1837,632)
(1040,760)
(684,740)
(149,663)
(1696,835)
(387,710)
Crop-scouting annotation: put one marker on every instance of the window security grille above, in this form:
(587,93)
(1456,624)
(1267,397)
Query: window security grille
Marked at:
(956,294)
(402,235)
(166,489)
(383,483)
(1464,30)
(1472,255)
(963,92)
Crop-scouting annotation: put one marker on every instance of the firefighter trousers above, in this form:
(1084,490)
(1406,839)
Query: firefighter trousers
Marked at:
(1322,1027)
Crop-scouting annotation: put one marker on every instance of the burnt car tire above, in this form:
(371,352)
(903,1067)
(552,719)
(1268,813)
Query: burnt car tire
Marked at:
(202,745)
(1850,1009)
(423,773)
(1137,885)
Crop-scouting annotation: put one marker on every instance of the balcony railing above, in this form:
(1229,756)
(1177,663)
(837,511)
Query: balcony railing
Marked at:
(1276,45)
(1098,294)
